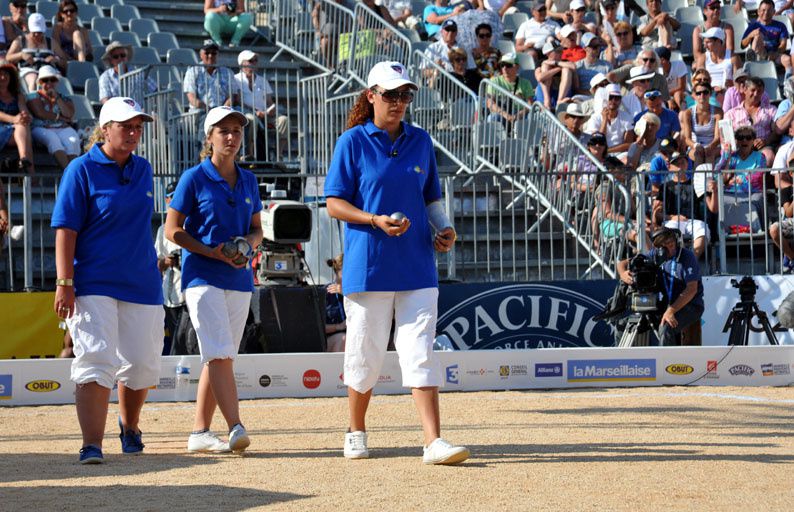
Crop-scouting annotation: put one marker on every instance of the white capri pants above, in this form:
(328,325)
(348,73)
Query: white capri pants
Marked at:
(692,228)
(58,139)
(218,316)
(116,340)
(369,317)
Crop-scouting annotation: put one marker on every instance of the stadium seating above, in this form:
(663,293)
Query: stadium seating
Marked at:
(105,26)
(124,13)
(125,37)
(78,72)
(162,42)
(143,27)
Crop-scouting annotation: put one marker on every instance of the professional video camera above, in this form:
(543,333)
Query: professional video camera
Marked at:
(746,287)
(645,290)
(284,224)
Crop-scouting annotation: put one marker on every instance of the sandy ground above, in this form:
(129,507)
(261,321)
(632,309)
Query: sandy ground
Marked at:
(620,449)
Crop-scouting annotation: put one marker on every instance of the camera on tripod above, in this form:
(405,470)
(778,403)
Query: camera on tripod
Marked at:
(645,290)
(747,288)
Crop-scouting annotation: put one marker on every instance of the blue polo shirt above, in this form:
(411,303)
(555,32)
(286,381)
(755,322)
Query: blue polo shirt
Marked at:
(214,213)
(670,123)
(111,210)
(378,176)
(659,171)
(675,273)
(771,33)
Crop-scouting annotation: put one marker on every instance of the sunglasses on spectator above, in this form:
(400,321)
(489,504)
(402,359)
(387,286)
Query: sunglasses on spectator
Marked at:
(484,35)
(541,9)
(117,56)
(610,7)
(744,137)
(210,52)
(253,61)
(597,142)
(69,11)
(648,59)
(621,34)
(615,98)
(48,80)
(395,96)
(652,95)
(508,65)
(702,92)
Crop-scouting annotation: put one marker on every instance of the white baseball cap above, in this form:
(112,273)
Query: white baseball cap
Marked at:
(714,33)
(37,23)
(614,90)
(244,56)
(121,109)
(48,71)
(566,31)
(389,75)
(577,4)
(597,79)
(218,114)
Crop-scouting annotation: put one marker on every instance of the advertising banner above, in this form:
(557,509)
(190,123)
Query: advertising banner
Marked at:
(30,327)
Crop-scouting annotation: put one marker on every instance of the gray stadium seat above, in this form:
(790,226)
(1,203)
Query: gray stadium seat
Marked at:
(64,87)
(505,46)
(685,34)
(143,27)
(78,72)
(91,89)
(739,26)
(96,43)
(142,55)
(689,14)
(83,111)
(512,22)
(124,37)
(124,13)
(181,57)
(162,41)
(672,5)
(108,4)
(104,26)
(46,8)
(87,12)
(411,34)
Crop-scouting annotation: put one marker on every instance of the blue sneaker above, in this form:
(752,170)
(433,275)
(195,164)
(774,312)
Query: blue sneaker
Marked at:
(91,455)
(131,443)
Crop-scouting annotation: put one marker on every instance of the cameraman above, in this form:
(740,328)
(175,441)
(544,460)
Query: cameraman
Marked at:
(168,262)
(679,277)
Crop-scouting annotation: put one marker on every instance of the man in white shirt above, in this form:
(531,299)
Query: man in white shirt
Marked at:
(438,52)
(616,124)
(534,32)
(257,104)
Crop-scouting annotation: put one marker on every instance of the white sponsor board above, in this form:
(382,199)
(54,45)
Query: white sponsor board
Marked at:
(36,382)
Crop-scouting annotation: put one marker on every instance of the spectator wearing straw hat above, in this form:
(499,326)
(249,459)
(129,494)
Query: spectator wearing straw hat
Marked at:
(256,96)
(116,58)
(616,124)
(52,117)
(574,118)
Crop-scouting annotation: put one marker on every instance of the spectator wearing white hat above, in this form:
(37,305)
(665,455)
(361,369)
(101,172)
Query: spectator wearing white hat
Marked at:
(52,118)
(103,216)
(256,96)
(569,40)
(717,61)
(712,10)
(591,65)
(616,124)
(33,50)
(648,61)
(639,81)
(536,31)
(598,91)
(555,77)
(576,14)
(657,28)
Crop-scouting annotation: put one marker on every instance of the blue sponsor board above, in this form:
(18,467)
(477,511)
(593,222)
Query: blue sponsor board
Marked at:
(453,374)
(548,370)
(601,370)
(484,316)
(5,387)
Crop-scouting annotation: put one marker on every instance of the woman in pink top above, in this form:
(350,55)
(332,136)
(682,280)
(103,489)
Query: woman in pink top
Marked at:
(753,113)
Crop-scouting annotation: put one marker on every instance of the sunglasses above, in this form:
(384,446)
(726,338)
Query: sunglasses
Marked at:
(652,95)
(396,96)
(68,11)
(210,52)
(702,92)
(597,143)
(744,137)
(117,56)
(621,34)
(615,98)
(508,65)
(610,7)
(483,35)
(541,9)
(48,80)
(648,59)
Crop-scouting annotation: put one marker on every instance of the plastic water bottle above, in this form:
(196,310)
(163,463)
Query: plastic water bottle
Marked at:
(182,381)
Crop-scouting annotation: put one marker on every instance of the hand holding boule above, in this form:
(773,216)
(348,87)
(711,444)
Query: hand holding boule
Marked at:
(399,224)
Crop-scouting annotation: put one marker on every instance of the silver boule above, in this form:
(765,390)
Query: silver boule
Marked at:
(398,216)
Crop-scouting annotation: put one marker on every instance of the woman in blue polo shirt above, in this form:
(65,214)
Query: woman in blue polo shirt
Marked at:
(216,202)
(383,166)
(108,287)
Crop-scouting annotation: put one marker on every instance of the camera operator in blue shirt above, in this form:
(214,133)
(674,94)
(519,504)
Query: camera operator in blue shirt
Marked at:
(679,279)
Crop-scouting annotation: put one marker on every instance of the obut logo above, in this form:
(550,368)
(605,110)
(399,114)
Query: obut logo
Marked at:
(525,316)
(679,369)
(311,379)
(42,386)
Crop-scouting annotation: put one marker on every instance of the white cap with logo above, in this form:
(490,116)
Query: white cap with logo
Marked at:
(389,75)
(218,114)
(37,22)
(121,109)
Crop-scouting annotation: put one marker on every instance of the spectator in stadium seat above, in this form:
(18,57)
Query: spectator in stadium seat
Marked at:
(555,77)
(613,122)
(559,10)
(486,57)
(69,39)
(591,65)
(782,232)
(53,114)
(33,50)
(214,202)
(646,144)
(657,28)
(784,116)
(766,38)
(675,72)
(577,11)
(360,192)
(676,206)
(712,11)
(639,80)
(469,77)
(437,13)
(586,175)
(669,124)
(116,58)
(510,80)
(208,86)
(699,126)
(573,117)
(753,113)
(402,13)
(649,62)
(226,17)
(734,96)
(621,50)
(256,95)
(569,40)
(536,31)
(598,91)
(103,213)
(335,324)
(15,119)
(16,25)
(717,61)
(438,52)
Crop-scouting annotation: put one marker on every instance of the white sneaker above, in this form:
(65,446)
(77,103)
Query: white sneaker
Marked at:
(441,452)
(238,439)
(356,445)
(206,442)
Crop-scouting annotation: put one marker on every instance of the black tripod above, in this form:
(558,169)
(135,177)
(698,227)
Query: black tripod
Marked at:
(740,323)
(638,332)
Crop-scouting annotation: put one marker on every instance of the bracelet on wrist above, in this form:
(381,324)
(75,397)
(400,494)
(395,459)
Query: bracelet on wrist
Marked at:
(372,221)
(64,282)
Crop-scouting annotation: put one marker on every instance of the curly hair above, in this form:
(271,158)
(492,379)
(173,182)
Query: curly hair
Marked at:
(13,77)
(361,112)
(96,137)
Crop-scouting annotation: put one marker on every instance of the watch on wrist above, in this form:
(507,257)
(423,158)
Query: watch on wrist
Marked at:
(64,282)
